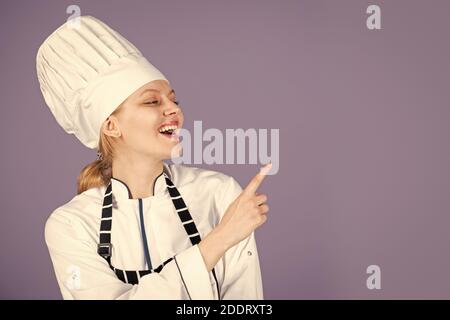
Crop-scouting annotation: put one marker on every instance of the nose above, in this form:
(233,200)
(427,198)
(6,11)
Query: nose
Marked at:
(171,109)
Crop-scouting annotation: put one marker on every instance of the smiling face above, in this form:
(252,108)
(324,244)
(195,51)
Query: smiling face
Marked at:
(146,122)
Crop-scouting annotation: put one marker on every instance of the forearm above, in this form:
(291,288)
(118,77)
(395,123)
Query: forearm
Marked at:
(213,247)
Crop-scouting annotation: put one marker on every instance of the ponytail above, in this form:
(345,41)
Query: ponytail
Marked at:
(93,175)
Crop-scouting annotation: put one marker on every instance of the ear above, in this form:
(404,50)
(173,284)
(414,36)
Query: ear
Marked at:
(110,127)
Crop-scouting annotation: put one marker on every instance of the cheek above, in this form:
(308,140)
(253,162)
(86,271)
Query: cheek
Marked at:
(142,125)
(181,117)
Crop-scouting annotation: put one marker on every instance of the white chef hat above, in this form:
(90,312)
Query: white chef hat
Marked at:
(85,71)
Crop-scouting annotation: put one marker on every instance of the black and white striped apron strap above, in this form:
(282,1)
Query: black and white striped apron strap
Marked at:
(183,212)
(104,247)
(133,276)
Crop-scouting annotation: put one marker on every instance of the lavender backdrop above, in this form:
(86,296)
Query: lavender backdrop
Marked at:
(363,115)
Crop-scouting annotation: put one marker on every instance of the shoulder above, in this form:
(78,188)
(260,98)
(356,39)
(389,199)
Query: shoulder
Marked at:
(73,218)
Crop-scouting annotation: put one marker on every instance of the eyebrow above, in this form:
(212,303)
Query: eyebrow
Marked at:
(157,91)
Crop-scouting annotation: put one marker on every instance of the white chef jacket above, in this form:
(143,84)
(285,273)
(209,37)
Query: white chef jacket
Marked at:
(72,235)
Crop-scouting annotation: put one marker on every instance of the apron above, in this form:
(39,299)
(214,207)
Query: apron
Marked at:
(105,246)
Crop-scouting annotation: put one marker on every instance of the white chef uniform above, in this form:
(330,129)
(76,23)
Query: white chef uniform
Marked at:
(72,236)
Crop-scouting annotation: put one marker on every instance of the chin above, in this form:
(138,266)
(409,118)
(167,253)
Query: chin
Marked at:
(174,152)
(170,147)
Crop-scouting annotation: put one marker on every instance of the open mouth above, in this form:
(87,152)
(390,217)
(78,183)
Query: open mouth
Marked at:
(168,131)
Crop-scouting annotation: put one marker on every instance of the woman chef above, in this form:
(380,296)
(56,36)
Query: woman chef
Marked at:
(140,228)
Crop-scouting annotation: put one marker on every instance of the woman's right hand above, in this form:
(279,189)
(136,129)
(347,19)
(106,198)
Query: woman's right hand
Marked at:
(246,213)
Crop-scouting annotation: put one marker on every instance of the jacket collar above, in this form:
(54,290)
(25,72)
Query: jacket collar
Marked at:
(121,190)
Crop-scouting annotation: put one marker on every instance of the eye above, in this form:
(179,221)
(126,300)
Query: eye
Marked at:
(177,102)
(151,102)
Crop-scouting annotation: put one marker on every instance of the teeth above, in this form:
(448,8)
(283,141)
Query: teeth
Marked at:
(167,128)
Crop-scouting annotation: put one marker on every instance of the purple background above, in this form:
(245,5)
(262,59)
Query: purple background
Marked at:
(363,118)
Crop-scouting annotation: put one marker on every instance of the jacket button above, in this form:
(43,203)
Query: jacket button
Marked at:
(249,253)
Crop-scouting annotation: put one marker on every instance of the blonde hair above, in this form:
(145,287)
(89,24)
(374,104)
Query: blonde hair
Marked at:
(98,173)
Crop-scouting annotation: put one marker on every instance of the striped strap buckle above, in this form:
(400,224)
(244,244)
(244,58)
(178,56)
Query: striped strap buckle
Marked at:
(104,249)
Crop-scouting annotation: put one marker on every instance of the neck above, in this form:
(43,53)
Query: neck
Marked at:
(138,173)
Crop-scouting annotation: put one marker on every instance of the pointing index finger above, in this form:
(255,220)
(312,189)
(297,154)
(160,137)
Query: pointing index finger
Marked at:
(257,179)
